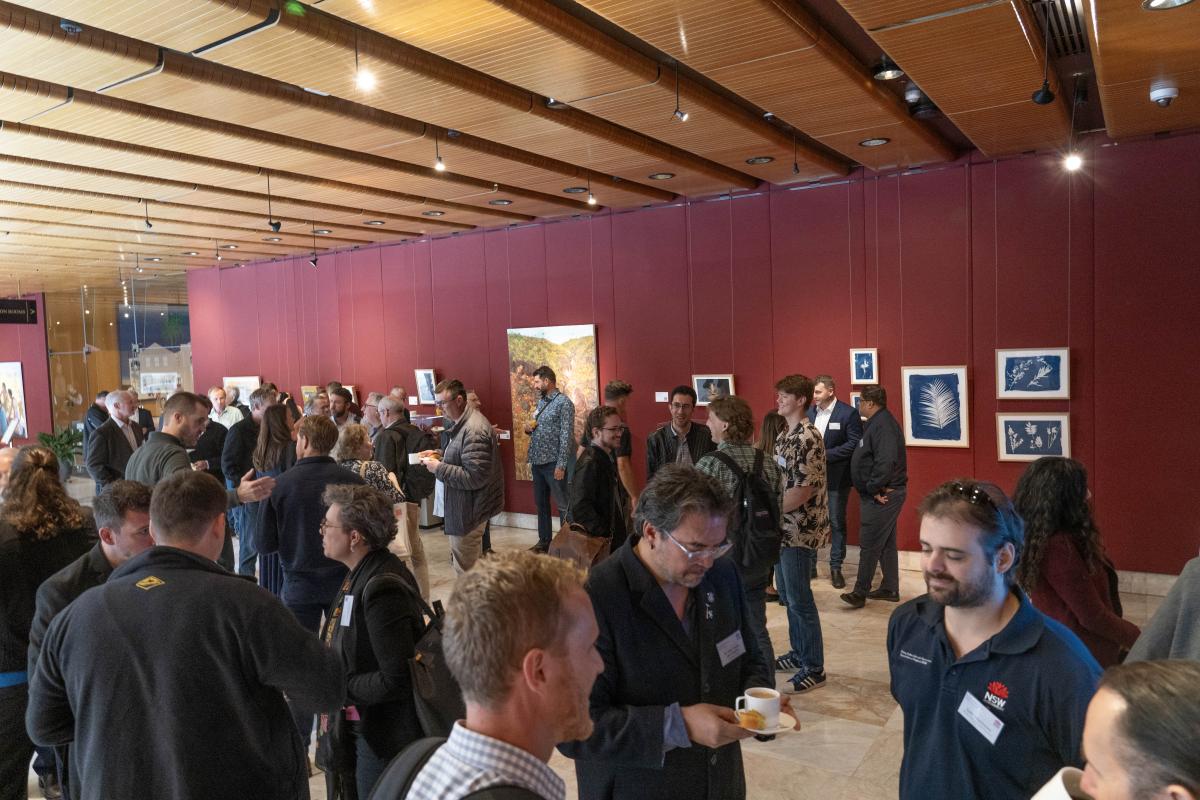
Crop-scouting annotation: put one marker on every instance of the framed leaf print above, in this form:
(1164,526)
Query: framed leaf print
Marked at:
(936,412)
(1037,374)
(1028,437)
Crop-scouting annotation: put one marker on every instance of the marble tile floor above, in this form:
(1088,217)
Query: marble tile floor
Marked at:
(851,742)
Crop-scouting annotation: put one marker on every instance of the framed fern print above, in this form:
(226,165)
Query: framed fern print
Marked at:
(936,412)
(1028,437)
(1038,374)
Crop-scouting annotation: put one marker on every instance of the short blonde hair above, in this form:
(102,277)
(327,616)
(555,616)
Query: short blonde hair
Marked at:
(504,607)
(350,442)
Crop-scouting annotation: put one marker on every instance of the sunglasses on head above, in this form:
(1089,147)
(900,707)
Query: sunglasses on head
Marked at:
(976,495)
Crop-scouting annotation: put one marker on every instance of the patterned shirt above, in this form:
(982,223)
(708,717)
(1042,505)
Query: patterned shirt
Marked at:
(551,440)
(803,454)
(742,455)
(470,761)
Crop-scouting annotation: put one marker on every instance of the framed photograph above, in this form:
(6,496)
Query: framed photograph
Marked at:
(935,406)
(1037,374)
(308,393)
(426,380)
(864,365)
(245,385)
(13,422)
(1028,437)
(711,387)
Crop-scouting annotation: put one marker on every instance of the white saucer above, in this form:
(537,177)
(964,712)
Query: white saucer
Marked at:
(787,723)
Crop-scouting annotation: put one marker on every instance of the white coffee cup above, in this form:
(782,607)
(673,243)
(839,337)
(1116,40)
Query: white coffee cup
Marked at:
(763,700)
(1063,786)
(414,458)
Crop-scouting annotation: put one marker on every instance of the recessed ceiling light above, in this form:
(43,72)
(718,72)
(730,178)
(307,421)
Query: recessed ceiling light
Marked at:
(191,253)
(373,222)
(575,190)
(1163,5)
(877,142)
(322,231)
(273,239)
(229,247)
(500,202)
(760,160)
(886,70)
(661,176)
(433,213)
(557,105)
(155,259)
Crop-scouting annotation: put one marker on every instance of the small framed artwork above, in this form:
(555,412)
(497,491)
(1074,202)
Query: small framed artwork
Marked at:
(349,387)
(1034,374)
(935,406)
(308,393)
(855,397)
(426,380)
(1028,437)
(245,384)
(864,365)
(711,387)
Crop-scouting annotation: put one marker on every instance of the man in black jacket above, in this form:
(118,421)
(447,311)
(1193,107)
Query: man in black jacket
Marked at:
(237,458)
(192,661)
(393,445)
(95,416)
(879,470)
(678,650)
(599,501)
(113,443)
(662,447)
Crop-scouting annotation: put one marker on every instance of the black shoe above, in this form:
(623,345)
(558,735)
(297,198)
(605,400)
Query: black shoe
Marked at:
(540,548)
(49,785)
(803,682)
(854,599)
(880,594)
(835,577)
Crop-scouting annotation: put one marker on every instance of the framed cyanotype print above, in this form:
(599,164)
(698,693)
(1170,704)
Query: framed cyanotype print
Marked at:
(1033,374)
(711,387)
(1028,437)
(864,365)
(935,406)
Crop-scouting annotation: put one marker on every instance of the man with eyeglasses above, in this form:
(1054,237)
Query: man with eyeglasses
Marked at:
(678,650)
(679,441)
(599,501)
(994,693)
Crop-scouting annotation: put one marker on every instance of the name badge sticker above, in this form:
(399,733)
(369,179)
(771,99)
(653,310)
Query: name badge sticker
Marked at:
(730,648)
(835,426)
(781,461)
(347,607)
(981,719)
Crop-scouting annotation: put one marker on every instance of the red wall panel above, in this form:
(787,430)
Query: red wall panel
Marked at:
(27,344)
(939,266)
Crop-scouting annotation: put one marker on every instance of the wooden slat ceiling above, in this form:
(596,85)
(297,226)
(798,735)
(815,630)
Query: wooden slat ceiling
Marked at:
(181,110)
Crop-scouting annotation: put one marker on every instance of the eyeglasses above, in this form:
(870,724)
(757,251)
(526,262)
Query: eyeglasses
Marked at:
(708,552)
(370,405)
(682,406)
(613,428)
(975,495)
(327,524)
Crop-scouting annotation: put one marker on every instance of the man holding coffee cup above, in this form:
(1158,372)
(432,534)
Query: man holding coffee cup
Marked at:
(678,651)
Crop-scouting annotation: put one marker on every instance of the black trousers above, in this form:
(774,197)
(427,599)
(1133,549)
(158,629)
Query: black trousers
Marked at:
(755,583)
(877,542)
(16,751)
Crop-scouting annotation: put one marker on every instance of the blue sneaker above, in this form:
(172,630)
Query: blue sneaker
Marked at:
(803,682)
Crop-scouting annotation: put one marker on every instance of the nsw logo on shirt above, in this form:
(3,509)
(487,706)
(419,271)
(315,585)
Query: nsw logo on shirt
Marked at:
(996,695)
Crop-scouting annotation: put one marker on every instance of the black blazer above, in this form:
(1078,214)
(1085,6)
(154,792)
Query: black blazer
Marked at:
(146,420)
(841,438)
(662,446)
(650,662)
(60,589)
(385,623)
(109,452)
(598,500)
(93,418)
(880,461)
(208,448)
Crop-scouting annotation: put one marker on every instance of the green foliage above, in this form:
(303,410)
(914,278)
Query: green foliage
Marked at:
(62,444)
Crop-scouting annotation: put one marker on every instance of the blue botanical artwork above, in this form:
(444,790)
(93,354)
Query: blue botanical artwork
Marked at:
(1027,437)
(864,365)
(1033,374)
(935,405)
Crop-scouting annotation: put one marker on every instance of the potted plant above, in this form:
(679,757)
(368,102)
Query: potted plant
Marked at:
(63,445)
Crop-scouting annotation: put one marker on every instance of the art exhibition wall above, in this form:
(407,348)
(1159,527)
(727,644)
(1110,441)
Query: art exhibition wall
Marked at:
(27,344)
(933,267)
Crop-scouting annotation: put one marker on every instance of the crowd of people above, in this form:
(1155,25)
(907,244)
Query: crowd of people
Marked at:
(138,657)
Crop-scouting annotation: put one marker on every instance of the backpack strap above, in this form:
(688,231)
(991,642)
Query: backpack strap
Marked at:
(506,792)
(728,461)
(397,779)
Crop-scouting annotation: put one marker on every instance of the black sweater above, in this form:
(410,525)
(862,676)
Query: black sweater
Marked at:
(879,462)
(237,455)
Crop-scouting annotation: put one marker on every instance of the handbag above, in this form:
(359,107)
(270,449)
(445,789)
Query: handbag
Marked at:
(573,544)
(335,750)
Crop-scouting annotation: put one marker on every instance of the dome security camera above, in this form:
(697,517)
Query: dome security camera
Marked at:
(1163,93)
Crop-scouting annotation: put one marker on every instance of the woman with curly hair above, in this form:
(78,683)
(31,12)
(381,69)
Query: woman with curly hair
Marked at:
(1063,566)
(42,530)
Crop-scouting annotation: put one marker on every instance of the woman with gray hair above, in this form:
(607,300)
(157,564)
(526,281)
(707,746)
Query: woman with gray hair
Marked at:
(373,624)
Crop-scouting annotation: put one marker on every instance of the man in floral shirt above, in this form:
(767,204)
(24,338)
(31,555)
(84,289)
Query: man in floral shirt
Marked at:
(551,444)
(800,452)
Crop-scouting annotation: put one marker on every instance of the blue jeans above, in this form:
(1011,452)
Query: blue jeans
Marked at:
(369,766)
(804,623)
(837,523)
(544,485)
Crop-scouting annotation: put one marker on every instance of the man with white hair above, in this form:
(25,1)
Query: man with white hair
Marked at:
(370,415)
(113,442)
(227,415)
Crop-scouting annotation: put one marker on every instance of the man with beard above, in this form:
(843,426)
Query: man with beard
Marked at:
(551,444)
(994,692)
(520,638)
(678,648)
(679,442)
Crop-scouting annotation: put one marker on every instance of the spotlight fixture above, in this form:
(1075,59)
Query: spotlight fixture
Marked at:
(758,160)
(1163,5)
(138,262)
(373,222)
(887,70)
(433,213)
(146,206)
(273,239)
(273,223)
(439,165)
(70,28)
(679,114)
(500,202)
(1072,162)
(912,93)
(795,155)
(229,247)
(322,231)
(879,141)
(363,78)
(313,261)
(661,176)
(557,105)
(575,190)
(1044,96)
(216,250)
(591,197)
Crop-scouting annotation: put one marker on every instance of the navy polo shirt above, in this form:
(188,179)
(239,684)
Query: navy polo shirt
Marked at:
(1034,678)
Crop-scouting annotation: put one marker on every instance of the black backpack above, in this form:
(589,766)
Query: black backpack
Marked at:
(754,526)
(417,481)
(397,779)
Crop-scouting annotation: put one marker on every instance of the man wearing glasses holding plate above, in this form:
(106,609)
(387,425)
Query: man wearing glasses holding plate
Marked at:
(678,650)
